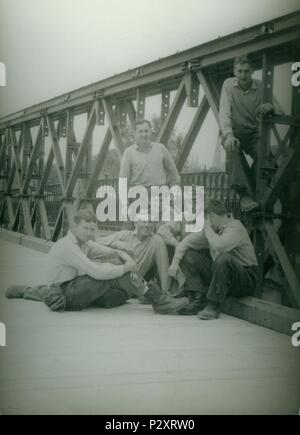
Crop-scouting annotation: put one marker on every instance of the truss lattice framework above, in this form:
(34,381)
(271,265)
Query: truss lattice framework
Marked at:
(115,101)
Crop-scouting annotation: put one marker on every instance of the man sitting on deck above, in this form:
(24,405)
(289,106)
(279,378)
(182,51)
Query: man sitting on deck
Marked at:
(77,282)
(148,249)
(218,262)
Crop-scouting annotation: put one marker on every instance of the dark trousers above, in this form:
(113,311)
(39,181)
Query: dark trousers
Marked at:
(217,279)
(240,175)
(84,292)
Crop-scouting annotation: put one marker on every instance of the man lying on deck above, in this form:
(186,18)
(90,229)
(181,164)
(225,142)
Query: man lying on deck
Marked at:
(76,282)
(218,262)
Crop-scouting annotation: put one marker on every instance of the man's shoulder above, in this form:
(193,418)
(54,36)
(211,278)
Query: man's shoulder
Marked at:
(230,83)
(159,146)
(129,150)
(60,245)
(238,225)
(125,235)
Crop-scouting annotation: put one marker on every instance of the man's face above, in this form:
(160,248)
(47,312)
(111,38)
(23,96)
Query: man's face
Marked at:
(244,74)
(143,135)
(85,231)
(144,229)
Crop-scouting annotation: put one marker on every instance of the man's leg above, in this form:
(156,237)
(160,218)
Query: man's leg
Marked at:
(156,254)
(36,294)
(84,292)
(241,176)
(52,295)
(133,284)
(229,278)
(197,268)
(111,299)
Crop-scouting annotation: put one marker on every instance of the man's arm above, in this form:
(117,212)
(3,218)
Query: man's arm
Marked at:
(76,259)
(225,113)
(116,241)
(171,169)
(125,169)
(98,250)
(226,242)
(195,241)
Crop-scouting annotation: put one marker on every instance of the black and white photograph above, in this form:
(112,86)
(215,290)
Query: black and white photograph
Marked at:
(149,210)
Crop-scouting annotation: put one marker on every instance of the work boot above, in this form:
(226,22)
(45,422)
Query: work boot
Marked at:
(134,285)
(16,292)
(211,311)
(248,204)
(197,303)
(163,303)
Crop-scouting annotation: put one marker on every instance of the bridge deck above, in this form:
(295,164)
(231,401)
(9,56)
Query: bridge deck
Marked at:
(130,361)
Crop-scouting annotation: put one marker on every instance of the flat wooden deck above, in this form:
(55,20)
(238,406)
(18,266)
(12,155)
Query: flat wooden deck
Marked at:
(131,361)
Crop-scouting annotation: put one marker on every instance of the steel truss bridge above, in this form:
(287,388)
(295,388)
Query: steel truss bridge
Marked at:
(196,77)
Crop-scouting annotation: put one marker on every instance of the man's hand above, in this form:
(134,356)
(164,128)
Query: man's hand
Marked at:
(265,109)
(131,266)
(231,143)
(173,270)
(124,256)
(121,246)
(129,263)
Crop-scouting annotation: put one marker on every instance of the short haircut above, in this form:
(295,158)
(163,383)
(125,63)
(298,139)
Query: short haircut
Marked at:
(215,206)
(84,215)
(242,60)
(142,122)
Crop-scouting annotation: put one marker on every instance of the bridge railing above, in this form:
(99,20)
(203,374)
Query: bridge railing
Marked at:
(215,184)
(192,79)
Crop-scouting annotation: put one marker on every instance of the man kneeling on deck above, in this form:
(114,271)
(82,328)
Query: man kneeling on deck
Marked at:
(76,282)
(218,262)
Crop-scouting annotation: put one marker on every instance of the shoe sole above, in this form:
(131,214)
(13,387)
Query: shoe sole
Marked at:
(208,318)
(247,210)
(194,312)
(175,310)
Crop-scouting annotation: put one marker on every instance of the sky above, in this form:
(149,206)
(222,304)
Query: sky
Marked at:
(54,46)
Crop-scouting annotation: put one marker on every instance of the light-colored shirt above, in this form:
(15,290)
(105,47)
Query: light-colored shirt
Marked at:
(171,232)
(147,255)
(238,108)
(151,167)
(131,241)
(233,239)
(68,260)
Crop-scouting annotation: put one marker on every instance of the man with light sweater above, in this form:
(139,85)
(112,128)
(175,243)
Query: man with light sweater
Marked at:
(218,262)
(241,107)
(85,274)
